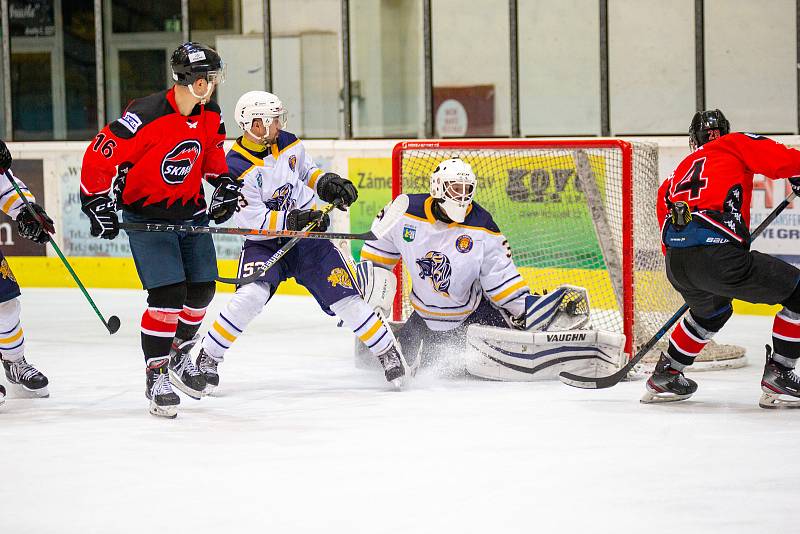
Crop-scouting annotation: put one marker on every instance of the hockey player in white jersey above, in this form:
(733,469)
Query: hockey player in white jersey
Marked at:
(462,274)
(279,183)
(12,340)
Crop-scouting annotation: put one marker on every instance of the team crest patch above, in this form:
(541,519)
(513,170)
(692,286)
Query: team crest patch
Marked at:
(463,243)
(436,266)
(409,233)
(178,162)
(5,271)
(292,162)
(340,277)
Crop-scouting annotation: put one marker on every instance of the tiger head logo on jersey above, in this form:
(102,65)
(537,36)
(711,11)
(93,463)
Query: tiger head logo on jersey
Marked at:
(292,162)
(436,266)
(178,163)
(281,199)
(463,243)
(340,277)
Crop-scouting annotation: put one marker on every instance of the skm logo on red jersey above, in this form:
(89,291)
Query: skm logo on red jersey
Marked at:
(177,165)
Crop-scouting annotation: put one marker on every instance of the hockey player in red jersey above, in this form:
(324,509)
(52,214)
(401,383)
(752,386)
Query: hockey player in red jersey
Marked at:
(156,155)
(704,209)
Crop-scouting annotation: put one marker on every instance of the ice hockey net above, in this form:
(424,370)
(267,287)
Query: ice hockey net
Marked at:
(576,212)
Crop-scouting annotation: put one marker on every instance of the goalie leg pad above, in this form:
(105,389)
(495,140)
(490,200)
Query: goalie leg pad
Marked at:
(523,356)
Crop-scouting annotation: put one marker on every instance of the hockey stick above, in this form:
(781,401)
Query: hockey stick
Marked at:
(379,228)
(192,229)
(613,379)
(113,323)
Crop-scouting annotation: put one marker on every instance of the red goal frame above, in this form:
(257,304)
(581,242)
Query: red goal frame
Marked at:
(626,150)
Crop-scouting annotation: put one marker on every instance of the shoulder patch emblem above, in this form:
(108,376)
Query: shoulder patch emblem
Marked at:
(340,277)
(292,162)
(463,243)
(130,121)
(409,233)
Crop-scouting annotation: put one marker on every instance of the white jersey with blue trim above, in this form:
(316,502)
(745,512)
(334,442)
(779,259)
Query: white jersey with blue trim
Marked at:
(452,265)
(271,188)
(10,201)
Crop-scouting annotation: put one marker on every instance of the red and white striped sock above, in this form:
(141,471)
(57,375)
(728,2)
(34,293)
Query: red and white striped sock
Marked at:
(786,337)
(158,330)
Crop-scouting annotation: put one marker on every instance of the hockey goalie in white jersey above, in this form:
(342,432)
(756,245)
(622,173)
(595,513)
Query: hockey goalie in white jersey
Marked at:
(465,289)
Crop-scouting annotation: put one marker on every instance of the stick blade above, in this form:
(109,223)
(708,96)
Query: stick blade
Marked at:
(391,215)
(113,324)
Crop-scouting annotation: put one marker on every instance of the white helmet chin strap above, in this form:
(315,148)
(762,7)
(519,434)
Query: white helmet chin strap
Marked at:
(205,97)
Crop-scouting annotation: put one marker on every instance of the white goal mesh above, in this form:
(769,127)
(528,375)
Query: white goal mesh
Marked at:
(574,212)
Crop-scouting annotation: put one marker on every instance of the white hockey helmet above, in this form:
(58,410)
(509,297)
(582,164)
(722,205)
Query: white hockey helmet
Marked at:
(453,182)
(259,105)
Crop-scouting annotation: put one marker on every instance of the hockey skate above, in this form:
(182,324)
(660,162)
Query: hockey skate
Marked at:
(2,394)
(667,384)
(395,367)
(28,377)
(182,370)
(163,400)
(208,368)
(780,385)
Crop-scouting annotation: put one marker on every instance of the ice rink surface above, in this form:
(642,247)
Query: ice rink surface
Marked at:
(299,440)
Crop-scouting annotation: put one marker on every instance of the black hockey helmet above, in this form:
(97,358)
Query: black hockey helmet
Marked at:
(193,61)
(707,126)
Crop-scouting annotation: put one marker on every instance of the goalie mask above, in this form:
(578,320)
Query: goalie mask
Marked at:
(259,105)
(453,185)
(194,61)
(707,126)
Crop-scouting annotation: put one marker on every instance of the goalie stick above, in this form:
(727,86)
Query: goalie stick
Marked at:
(389,217)
(113,323)
(192,229)
(612,380)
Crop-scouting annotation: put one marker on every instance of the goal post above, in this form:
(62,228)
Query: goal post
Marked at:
(579,212)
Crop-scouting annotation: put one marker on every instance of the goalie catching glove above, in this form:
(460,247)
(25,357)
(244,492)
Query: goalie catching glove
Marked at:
(299,219)
(36,228)
(333,188)
(565,308)
(225,200)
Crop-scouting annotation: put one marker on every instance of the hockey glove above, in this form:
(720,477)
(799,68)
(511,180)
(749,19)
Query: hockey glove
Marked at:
(5,157)
(37,228)
(794,181)
(332,187)
(225,200)
(103,216)
(299,219)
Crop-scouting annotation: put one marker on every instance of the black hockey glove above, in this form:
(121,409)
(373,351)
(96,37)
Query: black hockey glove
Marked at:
(102,215)
(37,228)
(332,187)
(225,200)
(794,181)
(299,219)
(5,157)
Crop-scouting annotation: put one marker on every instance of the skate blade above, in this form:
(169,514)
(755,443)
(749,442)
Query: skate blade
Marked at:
(773,401)
(170,412)
(183,388)
(26,393)
(209,390)
(656,398)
